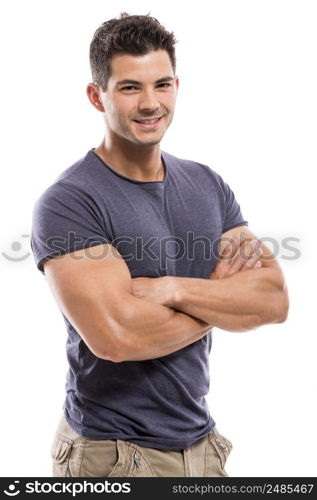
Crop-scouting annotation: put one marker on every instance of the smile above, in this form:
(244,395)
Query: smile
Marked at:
(148,123)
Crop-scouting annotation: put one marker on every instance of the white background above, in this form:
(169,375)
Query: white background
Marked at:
(246,107)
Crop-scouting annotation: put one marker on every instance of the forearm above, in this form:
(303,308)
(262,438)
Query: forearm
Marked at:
(240,302)
(147,331)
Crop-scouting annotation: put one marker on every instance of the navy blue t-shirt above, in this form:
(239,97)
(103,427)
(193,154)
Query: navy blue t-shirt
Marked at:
(169,227)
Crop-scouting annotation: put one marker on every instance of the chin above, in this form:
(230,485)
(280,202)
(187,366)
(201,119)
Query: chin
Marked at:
(147,142)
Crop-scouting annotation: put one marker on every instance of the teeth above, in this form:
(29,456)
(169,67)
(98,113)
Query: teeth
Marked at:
(148,121)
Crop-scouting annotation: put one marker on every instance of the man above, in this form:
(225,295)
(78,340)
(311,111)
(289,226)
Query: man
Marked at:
(128,239)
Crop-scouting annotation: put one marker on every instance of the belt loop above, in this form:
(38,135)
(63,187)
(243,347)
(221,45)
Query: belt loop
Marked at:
(187,462)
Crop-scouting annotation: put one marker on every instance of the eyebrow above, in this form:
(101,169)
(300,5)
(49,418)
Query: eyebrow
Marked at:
(135,82)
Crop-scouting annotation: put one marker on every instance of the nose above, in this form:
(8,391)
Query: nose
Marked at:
(148,101)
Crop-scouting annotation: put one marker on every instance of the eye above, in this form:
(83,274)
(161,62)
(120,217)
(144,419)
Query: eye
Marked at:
(165,85)
(129,88)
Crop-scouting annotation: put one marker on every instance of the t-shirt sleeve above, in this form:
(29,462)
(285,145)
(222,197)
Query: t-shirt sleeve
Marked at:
(65,218)
(232,215)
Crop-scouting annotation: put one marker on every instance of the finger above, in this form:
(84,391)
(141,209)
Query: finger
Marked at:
(253,260)
(257,265)
(230,245)
(220,270)
(243,256)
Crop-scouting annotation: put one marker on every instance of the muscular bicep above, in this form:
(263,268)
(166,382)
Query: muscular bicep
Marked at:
(267,258)
(90,287)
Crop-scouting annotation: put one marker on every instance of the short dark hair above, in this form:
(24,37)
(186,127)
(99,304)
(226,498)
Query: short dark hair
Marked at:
(129,34)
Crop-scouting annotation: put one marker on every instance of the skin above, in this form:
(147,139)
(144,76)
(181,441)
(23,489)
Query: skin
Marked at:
(124,319)
(128,148)
(223,300)
(96,295)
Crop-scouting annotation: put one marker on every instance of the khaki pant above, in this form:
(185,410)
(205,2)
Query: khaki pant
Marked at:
(77,456)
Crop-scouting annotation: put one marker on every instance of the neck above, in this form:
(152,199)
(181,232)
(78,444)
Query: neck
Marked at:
(141,163)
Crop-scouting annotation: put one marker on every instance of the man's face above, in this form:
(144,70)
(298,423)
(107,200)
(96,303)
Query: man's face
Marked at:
(140,98)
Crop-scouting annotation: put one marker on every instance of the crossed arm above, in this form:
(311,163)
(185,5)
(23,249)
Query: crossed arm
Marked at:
(124,319)
(231,299)
(93,289)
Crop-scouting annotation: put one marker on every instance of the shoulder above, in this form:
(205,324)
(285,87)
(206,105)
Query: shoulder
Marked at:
(83,173)
(195,169)
(75,182)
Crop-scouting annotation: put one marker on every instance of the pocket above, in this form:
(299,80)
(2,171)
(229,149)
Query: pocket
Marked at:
(60,453)
(221,444)
(103,458)
(120,463)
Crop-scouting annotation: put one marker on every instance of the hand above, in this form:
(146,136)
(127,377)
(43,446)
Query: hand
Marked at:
(238,254)
(158,290)
(161,291)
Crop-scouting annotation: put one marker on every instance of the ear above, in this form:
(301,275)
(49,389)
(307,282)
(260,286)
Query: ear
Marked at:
(93,94)
(176,82)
